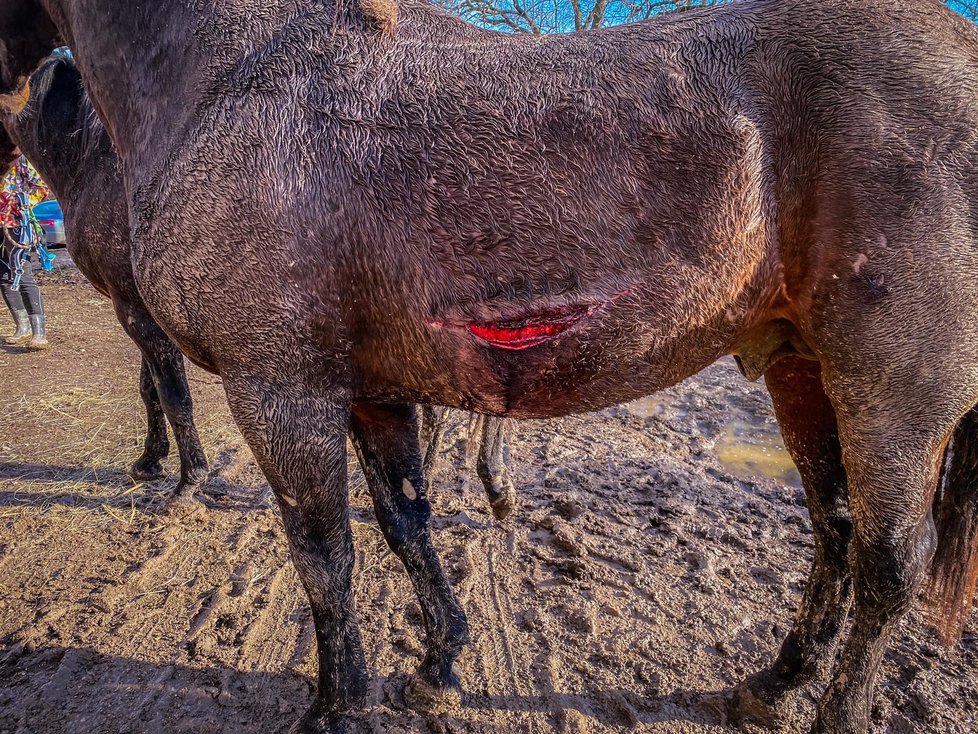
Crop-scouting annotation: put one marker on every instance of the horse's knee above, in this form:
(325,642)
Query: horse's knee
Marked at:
(889,569)
(833,543)
(175,395)
(402,526)
(147,390)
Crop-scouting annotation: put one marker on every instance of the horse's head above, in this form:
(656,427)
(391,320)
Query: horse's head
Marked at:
(27,35)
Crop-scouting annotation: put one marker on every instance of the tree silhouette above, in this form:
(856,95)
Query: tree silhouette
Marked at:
(556,16)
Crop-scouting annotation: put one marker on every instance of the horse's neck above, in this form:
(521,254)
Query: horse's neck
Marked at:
(149,68)
(137,60)
(48,133)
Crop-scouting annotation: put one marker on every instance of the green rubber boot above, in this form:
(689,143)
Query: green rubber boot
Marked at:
(40,339)
(23,333)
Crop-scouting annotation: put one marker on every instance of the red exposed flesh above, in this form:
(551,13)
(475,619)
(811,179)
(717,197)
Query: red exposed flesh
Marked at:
(528,332)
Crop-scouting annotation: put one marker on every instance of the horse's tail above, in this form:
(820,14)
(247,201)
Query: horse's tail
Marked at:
(954,570)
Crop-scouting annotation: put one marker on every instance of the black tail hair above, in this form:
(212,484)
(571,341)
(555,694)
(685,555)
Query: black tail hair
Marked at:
(954,570)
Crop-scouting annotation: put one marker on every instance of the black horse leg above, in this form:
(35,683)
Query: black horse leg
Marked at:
(892,463)
(168,374)
(492,466)
(297,432)
(157,446)
(386,440)
(808,425)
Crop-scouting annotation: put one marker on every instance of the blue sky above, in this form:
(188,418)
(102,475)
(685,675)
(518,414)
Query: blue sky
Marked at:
(559,15)
(968,9)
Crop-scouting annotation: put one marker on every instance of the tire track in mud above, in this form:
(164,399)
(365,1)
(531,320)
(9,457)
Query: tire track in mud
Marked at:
(496,657)
(274,635)
(16,580)
(156,611)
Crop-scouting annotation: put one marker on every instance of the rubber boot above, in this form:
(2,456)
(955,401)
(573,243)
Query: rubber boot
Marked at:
(40,339)
(23,333)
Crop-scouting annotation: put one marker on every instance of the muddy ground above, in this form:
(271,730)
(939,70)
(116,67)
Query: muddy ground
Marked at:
(657,557)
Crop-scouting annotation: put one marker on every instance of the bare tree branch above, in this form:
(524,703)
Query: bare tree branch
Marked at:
(578,14)
(556,16)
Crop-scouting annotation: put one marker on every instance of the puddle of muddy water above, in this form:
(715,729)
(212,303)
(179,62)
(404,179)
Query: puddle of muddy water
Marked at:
(748,447)
(748,451)
(654,406)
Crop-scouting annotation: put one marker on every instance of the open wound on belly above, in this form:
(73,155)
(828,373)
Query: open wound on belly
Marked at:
(530,330)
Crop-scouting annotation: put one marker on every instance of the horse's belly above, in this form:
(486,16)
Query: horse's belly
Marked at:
(550,364)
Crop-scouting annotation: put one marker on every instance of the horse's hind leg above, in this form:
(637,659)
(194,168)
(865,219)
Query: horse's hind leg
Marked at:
(433,422)
(893,462)
(169,370)
(808,425)
(492,467)
(386,439)
(492,464)
(297,433)
(157,446)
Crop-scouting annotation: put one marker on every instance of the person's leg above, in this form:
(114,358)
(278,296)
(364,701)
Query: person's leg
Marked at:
(35,307)
(15,303)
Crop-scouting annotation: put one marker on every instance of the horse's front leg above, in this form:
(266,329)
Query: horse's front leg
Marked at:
(386,440)
(157,445)
(809,427)
(297,433)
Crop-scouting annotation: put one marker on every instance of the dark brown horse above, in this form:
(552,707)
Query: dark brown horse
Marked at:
(430,212)
(62,137)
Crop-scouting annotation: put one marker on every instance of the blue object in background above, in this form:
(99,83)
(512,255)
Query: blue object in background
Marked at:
(52,221)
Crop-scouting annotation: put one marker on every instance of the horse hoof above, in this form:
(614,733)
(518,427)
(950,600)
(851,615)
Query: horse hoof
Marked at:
(147,471)
(315,722)
(502,496)
(419,695)
(504,506)
(184,503)
(746,707)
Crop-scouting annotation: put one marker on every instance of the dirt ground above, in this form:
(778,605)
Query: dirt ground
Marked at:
(657,557)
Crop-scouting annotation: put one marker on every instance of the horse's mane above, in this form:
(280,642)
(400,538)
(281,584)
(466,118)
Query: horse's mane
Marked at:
(88,126)
(382,12)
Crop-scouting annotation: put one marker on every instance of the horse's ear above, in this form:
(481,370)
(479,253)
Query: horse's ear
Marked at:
(381,12)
